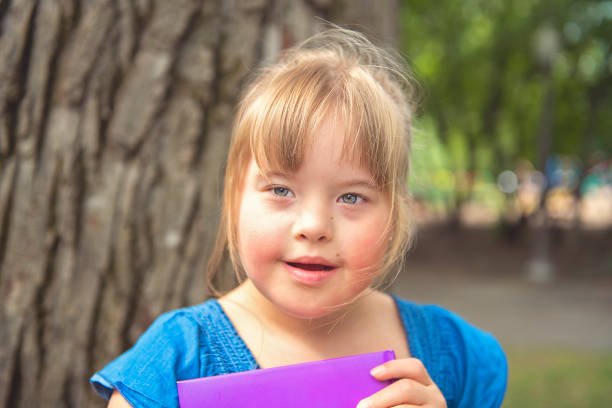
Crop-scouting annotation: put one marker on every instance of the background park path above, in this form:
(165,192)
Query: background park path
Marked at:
(482,277)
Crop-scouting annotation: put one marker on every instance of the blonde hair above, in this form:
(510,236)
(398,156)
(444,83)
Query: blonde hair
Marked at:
(340,74)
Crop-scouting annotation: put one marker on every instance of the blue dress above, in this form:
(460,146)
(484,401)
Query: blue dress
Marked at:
(466,363)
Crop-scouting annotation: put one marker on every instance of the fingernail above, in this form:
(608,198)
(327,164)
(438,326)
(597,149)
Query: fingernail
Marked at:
(363,404)
(376,371)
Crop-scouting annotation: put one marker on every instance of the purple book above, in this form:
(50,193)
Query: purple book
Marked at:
(338,383)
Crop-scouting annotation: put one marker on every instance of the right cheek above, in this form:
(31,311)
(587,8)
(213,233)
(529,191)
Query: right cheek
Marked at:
(257,244)
(260,237)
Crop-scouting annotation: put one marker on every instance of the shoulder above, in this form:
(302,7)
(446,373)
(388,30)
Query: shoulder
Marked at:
(168,351)
(469,363)
(198,318)
(178,333)
(475,357)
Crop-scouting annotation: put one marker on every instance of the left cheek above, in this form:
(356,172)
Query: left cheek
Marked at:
(366,249)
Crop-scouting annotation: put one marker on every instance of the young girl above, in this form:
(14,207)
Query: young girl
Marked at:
(315,218)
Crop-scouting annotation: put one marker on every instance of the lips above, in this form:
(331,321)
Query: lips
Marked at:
(312,263)
(311,267)
(311,271)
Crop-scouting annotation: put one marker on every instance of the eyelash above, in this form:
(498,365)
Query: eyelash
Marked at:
(274,191)
(358,198)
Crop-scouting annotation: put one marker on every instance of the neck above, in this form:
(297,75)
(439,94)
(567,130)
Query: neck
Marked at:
(276,320)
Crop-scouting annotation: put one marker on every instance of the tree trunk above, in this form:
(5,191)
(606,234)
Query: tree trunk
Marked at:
(114,126)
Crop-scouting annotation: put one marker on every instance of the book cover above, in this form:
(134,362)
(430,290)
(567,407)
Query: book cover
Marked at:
(336,383)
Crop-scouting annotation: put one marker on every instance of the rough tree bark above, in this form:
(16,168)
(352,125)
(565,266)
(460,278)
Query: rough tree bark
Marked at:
(114,125)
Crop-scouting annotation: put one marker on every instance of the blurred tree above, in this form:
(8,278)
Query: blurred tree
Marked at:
(492,69)
(511,80)
(114,125)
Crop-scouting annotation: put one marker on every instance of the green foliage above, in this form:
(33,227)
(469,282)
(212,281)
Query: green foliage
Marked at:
(485,67)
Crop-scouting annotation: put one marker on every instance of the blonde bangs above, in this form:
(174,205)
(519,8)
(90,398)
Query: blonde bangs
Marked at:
(281,115)
(288,109)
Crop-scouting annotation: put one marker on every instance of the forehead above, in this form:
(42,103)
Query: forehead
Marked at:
(332,144)
(329,147)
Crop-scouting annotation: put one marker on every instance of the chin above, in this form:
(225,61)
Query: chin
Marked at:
(306,313)
(309,310)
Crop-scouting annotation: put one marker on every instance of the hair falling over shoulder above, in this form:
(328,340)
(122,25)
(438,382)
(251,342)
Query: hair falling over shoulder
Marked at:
(337,74)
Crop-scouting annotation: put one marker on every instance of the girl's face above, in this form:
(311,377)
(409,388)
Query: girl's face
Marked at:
(313,239)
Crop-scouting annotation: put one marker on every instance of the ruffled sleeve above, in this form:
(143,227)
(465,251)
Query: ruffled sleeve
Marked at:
(146,374)
(476,369)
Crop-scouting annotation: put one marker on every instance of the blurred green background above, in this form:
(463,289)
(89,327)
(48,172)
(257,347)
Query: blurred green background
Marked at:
(522,87)
(514,133)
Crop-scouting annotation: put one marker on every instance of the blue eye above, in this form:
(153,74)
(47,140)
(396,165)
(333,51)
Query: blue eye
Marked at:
(281,191)
(349,198)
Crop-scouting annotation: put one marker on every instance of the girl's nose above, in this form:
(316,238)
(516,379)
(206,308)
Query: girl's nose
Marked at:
(313,224)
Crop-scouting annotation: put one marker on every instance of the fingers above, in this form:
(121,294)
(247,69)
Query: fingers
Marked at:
(413,388)
(411,368)
(403,393)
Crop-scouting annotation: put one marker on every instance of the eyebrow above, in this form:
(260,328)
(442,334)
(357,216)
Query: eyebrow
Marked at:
(359,183)
(275,173)
(269,174)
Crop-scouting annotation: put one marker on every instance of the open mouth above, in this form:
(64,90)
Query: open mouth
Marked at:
(310,267)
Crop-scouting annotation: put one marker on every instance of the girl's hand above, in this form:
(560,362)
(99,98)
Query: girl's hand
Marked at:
(414,387)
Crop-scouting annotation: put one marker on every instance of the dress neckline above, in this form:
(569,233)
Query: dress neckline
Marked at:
(242,348)
(244,352)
